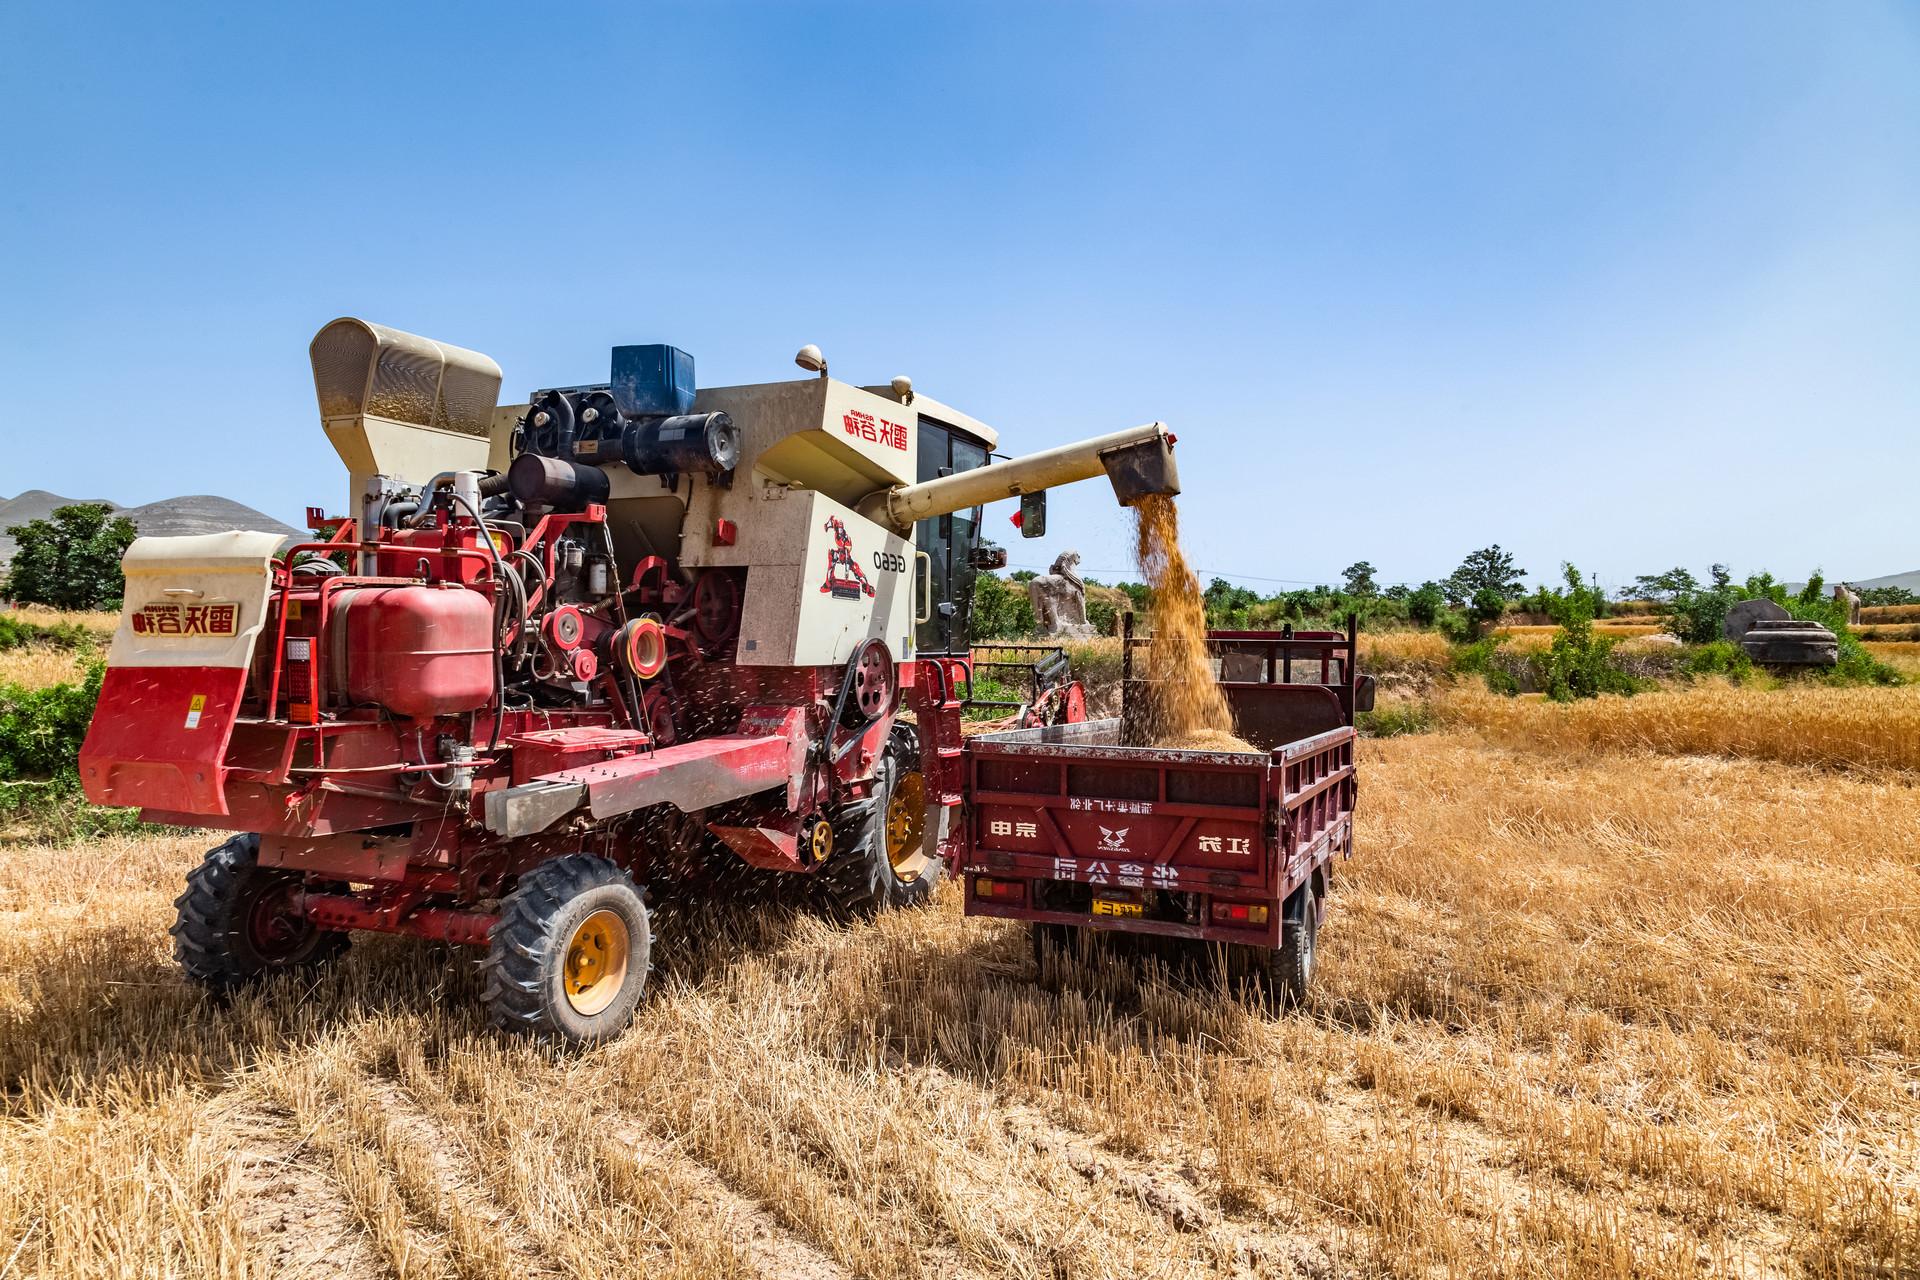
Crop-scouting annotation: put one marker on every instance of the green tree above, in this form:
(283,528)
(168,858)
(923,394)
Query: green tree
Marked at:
(1001,609)
(1577,665)
(1425,603)
(1663,586)
(1488,570)
(1228,605)
(71,561)
(1359,576)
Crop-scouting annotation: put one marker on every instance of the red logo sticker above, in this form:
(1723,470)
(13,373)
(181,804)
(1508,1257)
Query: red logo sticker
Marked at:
(875,430)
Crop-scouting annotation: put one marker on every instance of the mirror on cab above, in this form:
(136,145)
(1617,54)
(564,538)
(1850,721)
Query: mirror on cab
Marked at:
(1033,514)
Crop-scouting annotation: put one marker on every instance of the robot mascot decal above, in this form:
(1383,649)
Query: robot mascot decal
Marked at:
(844,579)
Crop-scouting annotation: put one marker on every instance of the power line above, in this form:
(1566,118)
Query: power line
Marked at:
(1223,573)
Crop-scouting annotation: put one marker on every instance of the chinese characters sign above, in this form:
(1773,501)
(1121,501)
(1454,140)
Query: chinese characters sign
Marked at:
(216,618)
(875,430)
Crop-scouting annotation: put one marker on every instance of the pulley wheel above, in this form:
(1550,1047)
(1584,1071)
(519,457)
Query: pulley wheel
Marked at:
(816,839)
(872,684)
(565,627)
(641,647)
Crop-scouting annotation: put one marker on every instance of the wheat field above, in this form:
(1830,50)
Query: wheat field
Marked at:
(1580,1012)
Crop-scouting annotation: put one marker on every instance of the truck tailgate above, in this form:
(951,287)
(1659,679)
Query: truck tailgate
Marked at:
(1082,821)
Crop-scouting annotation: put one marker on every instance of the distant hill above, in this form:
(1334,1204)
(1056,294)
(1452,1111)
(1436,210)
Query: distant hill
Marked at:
(194,513)
(1910,580)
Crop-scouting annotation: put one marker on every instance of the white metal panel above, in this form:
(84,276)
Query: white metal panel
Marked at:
(195,601)
(810,598)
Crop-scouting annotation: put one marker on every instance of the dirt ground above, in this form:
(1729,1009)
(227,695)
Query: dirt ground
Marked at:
(1578,1014)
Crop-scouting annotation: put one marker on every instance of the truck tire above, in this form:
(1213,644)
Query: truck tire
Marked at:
(237,922)
(1290,965)
(884,866)
(568,958)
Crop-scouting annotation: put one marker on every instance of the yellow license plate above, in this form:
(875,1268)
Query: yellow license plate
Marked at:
(1104,907)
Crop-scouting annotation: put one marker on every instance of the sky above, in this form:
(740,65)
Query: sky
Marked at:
(1631,285)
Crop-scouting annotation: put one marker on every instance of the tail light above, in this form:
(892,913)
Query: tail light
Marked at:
(999,890)
(1247,913)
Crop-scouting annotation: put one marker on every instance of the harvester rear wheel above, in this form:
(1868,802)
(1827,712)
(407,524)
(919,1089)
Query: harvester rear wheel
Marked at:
(239,921)
(569,956)
(884,865)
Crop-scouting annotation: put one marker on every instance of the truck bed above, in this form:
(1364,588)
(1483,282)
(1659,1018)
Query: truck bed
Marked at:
(1065,825)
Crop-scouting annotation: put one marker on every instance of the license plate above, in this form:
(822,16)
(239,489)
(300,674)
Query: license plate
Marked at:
(1105,907)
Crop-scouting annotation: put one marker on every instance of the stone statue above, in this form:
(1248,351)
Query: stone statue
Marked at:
(1060,599)
(1845,593)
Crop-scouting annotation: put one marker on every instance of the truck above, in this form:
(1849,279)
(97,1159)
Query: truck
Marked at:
(1072,831)
(556,650)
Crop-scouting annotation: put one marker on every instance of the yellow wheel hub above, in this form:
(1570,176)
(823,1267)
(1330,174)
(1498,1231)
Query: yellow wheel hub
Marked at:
(906,826)
(820,841)
(596,962)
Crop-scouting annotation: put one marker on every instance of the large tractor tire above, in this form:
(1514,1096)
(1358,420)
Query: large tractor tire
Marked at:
(569,956)
(238,921)
(883,864)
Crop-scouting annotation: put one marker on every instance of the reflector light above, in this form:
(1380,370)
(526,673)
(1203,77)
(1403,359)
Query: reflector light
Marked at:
(1239,913)
(987,887)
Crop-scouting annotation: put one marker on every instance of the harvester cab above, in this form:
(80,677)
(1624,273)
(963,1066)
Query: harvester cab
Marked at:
(563,654)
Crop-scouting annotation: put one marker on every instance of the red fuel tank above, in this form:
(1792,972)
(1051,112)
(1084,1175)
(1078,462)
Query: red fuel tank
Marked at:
(418,651)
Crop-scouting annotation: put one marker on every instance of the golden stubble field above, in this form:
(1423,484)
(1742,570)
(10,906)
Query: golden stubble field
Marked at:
(1580,1013)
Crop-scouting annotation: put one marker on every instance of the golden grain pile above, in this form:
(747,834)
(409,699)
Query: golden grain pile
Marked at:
(1579,1013)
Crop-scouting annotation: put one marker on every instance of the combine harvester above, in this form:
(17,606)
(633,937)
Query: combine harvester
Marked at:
(564,654)
(560,650)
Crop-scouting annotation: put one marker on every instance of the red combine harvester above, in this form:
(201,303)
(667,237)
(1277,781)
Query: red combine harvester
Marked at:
(558,650)
(1068,829)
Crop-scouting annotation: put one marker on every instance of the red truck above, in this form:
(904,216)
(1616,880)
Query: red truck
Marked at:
(1067,829)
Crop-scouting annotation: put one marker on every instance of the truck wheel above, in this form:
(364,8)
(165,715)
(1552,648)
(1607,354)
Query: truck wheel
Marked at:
(568,957)
(239,921)
(886,866)
(1290,966)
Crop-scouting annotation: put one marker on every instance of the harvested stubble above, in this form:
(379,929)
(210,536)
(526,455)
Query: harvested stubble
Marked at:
(1838,727)
(1577,1015)
(1890,613)
(1184,705)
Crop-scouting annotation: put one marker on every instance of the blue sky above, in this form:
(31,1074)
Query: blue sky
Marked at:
(1633,285)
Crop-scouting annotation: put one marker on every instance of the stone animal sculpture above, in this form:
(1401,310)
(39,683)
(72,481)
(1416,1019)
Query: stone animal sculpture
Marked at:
(1059,599)
(1844,593)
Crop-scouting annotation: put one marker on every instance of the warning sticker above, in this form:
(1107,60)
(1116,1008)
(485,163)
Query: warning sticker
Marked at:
(194,708)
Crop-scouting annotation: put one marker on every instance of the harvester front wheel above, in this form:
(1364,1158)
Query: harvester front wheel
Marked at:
(239,921)
(569,955)
(886,866)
